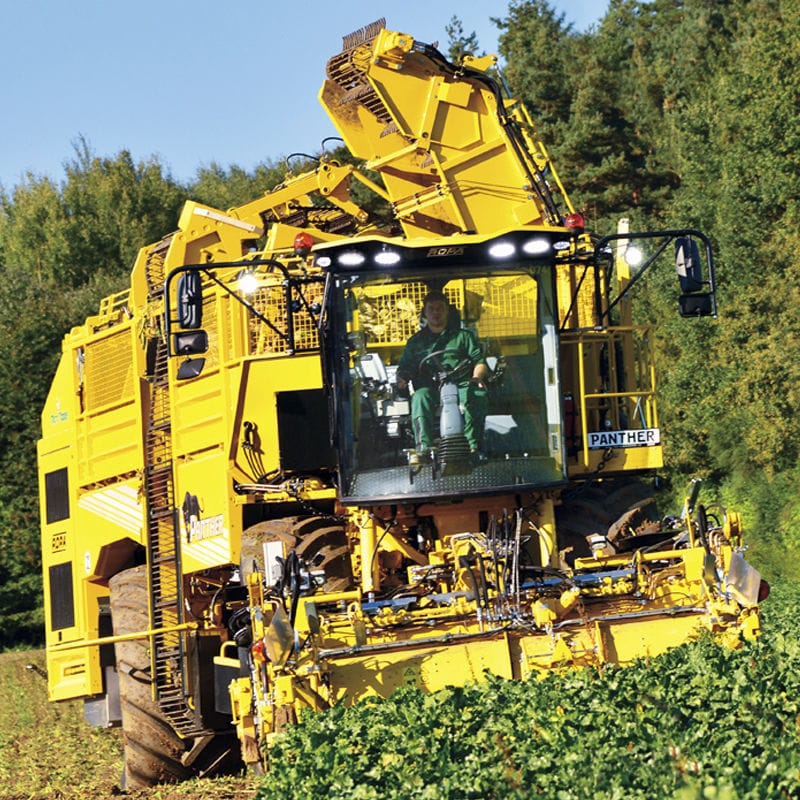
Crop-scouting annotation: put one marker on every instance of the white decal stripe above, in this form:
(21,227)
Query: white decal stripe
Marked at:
(110,514)
(118,505)
(210,552)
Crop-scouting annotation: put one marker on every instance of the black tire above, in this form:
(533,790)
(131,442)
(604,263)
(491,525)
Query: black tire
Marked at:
(321,543)
(152,749)
(324,545)
(601,508)
(251,557)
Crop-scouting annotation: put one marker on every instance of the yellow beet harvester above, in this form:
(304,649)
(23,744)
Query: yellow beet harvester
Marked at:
(237,524)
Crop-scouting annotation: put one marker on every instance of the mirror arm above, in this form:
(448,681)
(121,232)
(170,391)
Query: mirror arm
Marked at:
(635,279)
(575,294)
(668,236)
(206,270)
(246,303)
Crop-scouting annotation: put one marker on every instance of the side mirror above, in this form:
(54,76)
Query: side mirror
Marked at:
(190,368)
(696,305)
(187,344)
(190,300)
(687,264)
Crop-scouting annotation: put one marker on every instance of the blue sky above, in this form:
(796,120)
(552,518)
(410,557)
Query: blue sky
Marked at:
(193,81)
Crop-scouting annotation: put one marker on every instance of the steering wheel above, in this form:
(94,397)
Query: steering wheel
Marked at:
(441,373)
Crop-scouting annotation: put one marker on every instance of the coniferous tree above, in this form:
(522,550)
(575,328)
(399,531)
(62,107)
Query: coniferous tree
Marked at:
(460,44)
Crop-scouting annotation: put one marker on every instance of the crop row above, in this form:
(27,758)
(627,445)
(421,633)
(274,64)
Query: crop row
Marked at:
(701,721)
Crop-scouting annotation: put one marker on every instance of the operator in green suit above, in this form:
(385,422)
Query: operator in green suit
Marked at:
(459,344)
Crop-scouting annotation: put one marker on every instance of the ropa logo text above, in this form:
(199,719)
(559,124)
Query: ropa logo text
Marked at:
(438,252)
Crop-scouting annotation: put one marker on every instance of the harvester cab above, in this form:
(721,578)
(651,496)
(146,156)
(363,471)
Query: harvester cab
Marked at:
(502,291)
(507,308)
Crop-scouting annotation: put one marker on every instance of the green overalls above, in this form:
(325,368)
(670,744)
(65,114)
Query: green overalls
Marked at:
(458,344)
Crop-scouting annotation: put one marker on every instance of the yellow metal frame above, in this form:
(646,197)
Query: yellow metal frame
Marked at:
(633,367)
(442,141)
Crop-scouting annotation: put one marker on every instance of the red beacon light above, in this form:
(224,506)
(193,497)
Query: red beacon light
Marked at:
(303,244)
(575,222)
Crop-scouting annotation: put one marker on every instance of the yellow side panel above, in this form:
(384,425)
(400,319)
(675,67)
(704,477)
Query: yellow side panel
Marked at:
(622,643)
(60,409)
(430,669)
(109,431)
(609,642)
(74,673)
(109,443)
(107,514)
(260,405)
(622,460)
(208,433)
(71,606)
(201,415)
(90,493)
(109,368)
(206,540)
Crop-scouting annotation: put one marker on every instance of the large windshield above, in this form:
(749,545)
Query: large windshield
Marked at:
(445,385)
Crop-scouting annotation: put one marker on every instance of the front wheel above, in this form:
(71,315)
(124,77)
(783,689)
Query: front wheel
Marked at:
(320,542)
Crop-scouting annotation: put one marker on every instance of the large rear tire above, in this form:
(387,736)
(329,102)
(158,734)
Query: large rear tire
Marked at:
(154,753)
(153,750)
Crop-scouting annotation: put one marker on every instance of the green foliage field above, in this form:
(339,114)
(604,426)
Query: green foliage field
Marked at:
(46,749)
(48,752)
(698,722)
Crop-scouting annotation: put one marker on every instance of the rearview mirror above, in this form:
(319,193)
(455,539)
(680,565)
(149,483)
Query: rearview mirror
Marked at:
(190,300)
(190,368)
(687,264)
(696,305)
(187,344)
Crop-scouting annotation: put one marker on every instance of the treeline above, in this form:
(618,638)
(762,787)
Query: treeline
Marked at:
(671,113)
(685,113)
(63,247)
